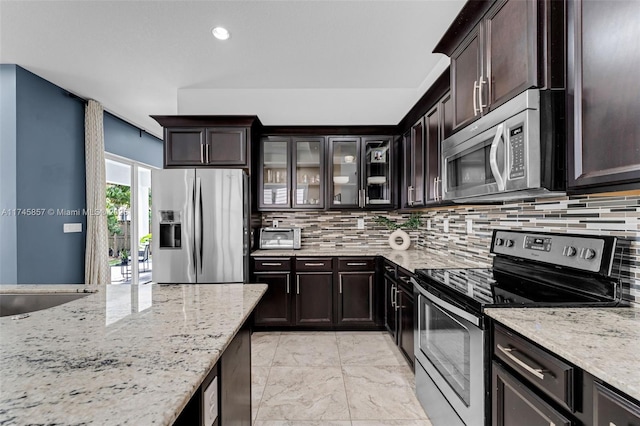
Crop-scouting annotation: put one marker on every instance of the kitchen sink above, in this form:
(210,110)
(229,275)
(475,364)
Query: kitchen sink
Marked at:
(22,303)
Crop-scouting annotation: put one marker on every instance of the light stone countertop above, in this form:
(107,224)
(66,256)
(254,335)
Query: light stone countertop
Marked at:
(124,355)
(604,342)
(48,288)
(407,259)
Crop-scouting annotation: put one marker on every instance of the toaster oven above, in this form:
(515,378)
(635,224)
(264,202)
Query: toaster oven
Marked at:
(280,238)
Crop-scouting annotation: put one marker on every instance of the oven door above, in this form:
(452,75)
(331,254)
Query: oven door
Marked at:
(449,346)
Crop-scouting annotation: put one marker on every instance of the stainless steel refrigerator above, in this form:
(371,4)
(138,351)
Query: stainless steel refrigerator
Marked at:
(200,226)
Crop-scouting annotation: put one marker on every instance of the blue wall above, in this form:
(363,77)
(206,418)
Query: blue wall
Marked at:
(50,175)
(42,166)
(125,140)
(8,256)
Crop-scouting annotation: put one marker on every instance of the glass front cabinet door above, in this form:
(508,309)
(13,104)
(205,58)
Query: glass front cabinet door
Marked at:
(308,181)
(292,173)
(376,176)
(360,172)
(274,179)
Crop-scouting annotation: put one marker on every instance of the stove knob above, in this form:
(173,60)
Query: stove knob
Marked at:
(589,254)
(570,251)
(499,241)
(509,243)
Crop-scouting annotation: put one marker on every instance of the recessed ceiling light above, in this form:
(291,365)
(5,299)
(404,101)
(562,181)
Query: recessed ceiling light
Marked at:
(220,33)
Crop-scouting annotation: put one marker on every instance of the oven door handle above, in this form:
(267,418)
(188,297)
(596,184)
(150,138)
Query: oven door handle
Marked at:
(447,306)
(493,157)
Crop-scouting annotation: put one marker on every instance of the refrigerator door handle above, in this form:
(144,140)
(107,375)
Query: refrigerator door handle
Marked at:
(198,222)
(193,202)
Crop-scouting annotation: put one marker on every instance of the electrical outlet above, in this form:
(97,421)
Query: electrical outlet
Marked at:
(446,226)
(429,224)
(360,223)
(274,224)
(469,226)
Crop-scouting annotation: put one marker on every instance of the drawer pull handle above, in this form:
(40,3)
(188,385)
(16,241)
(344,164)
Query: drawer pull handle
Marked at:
(271,264)
(538,372)
(314,264)
(356,263)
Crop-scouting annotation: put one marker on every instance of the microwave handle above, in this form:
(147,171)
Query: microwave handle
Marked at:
(493,157)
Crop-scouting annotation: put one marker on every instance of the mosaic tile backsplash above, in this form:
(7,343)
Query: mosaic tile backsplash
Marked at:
(594,214)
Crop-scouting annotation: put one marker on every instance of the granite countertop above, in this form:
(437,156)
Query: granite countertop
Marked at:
(407,259)
(604,342)
(124,355)
(49,288)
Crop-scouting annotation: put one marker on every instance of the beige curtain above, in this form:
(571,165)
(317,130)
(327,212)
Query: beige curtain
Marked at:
(96,261)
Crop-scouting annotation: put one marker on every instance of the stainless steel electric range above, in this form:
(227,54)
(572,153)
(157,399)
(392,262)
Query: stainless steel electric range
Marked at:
(530,269)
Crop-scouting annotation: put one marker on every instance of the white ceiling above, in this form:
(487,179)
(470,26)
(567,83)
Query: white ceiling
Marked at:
(290,62)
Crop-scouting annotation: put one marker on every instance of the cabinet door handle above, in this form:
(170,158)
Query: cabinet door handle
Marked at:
(538,372)
(202,153)
(393,296)
(481,105)
(297,284)
(356,263)
(207,151)
(340,284)
(476,110)
(396,299)
(288,287)
(271,264)
(410,195)
(438,186)
(314,264)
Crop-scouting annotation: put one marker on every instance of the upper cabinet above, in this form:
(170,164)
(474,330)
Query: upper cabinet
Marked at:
(291,173)
(602,91)
(498,50)
(208,141)
(422,183)
(360,173)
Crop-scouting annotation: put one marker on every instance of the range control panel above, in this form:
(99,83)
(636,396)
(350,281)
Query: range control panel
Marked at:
(574,251)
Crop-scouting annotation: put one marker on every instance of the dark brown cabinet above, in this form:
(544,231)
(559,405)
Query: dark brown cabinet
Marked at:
(498,57)
(612,408)
(291,173)
(208,141)
(356,291)
(275,307)
(514,404)
(360,172)
(399,309)
(602,95)
(422,147)
(314,292)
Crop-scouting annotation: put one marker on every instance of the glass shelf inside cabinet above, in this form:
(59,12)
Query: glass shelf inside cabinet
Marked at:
(377,172)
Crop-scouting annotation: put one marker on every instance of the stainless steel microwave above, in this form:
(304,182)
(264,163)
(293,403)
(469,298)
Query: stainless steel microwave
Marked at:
(516,151)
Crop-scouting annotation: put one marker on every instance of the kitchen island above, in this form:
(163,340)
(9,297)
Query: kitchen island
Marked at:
(124,355)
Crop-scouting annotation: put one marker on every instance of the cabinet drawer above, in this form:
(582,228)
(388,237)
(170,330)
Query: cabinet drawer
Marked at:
(389,269)
(356,264)
(311,264)
(272,264)
(542,369)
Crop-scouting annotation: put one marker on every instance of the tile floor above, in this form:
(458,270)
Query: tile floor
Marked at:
(332,379)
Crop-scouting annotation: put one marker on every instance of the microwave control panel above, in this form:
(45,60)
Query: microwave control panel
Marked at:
(516,145)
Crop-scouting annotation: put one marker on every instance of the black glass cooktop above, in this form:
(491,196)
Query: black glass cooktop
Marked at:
(519,286)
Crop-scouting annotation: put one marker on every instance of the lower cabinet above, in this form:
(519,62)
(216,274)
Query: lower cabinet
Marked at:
(399,309)
(406,323)
(356,292)
(318,292)
(224,397)
(314,298)
(533,386)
